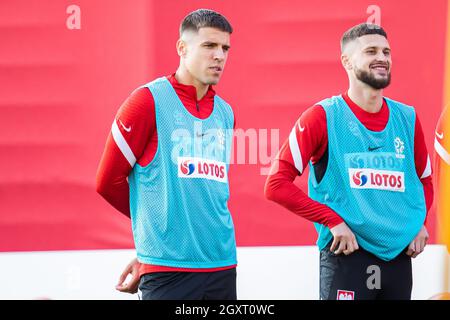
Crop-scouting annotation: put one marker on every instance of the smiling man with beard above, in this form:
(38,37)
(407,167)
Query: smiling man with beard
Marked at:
(370,182)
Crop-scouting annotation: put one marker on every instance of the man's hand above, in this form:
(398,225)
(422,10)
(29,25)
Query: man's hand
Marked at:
(344,238)
(417,246)
(132,286)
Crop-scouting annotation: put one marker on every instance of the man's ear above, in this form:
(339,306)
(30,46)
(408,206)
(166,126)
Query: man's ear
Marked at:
(181,48)
(346,63)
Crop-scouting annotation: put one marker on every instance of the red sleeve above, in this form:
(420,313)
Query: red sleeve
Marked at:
(133,127)
(423,164)
(308,140)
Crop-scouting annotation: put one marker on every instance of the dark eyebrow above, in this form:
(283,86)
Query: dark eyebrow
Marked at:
(375,48)
(207,43)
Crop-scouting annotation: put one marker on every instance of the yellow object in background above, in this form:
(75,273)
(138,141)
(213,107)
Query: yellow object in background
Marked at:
(442,149)
(442,167)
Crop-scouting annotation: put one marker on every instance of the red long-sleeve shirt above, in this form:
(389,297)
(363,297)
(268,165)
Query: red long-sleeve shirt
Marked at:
(311,137)
(135,140)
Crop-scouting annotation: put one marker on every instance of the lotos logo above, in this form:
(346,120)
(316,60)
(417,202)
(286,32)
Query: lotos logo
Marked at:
(345,295)
(359,179)
(202,168)
(187,168)
(377,179)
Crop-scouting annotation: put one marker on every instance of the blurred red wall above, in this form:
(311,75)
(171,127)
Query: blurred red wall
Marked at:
(60,90)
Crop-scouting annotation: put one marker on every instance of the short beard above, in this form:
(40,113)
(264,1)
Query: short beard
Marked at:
(210,82)
(371,81)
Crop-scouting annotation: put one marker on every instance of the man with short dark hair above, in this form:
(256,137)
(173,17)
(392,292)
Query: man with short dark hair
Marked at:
(171,138)
(370,182)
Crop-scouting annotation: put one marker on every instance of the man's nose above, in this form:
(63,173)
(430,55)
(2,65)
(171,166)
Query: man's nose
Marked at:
(219,54)
(381,56)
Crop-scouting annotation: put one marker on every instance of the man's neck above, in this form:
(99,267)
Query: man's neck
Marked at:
(184,77)
(368,99)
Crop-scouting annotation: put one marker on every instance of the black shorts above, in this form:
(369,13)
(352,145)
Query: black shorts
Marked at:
(218,285)
(363,276)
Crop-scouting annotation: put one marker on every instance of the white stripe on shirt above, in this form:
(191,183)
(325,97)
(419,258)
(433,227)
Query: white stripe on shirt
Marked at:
(122,144)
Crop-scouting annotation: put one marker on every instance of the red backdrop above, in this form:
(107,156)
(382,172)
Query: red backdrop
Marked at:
(60,90)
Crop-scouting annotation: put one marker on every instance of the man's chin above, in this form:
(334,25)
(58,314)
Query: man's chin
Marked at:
(213,82)
(377,82)
(379,85)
